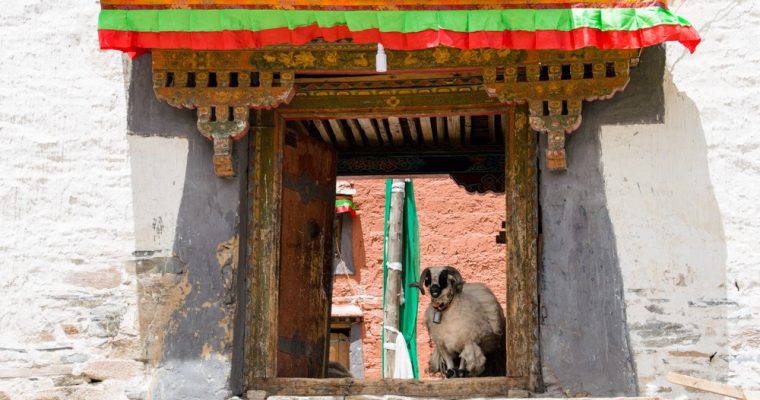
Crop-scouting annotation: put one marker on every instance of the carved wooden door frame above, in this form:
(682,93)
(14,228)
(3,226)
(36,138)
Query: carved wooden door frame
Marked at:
(521,201)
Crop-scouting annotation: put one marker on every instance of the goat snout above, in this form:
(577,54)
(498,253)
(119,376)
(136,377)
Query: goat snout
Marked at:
(435,290)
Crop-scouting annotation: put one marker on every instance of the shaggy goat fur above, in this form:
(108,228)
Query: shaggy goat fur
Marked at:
(469,336)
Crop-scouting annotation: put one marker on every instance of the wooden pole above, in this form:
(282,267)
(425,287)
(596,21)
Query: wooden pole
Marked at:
(712,387)
(393,277)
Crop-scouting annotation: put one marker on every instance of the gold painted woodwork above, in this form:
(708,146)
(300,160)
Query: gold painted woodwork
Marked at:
(555,90)
(221,83)
(221,96)
(349,57)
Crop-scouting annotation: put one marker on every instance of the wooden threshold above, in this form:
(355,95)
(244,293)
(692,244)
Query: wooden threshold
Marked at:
(441,389)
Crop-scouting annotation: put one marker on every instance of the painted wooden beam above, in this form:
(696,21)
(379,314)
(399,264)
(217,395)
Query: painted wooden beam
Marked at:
(397,133)
(369,131)
(427,130)
(384,135)
(492,128)
(323,131)
(442,137)
(467,129)
(355,131)
(413,129)
(340,134)
(455,134)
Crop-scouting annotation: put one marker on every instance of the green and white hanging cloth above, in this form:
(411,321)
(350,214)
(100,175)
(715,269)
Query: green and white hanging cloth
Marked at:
(409,273)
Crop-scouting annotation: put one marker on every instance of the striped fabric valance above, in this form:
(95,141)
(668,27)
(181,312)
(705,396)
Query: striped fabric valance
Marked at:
(140,25)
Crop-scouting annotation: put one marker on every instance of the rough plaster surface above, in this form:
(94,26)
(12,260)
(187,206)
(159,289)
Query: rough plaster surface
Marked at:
(195,360)
(117,277)
(683,202)
(66,224)
(458,229)
(89,285)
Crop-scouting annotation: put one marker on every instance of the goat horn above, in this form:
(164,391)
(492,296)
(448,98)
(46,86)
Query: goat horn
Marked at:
(419,284)
(457,278)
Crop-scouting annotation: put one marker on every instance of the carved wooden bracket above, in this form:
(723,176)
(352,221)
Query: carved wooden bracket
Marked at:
(215,124)
(555,90)
(222,93)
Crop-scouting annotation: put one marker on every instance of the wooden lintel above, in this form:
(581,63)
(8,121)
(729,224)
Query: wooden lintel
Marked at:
(441,389)
(358,58)
(349,100)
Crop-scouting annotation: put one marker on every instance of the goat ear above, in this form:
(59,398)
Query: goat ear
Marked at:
(456,278)
(424,280)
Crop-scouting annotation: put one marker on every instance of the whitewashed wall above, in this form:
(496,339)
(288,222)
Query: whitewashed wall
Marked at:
(683,199)
(68,222)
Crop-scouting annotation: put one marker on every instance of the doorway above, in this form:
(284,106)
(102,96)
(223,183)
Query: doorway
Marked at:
(294,290)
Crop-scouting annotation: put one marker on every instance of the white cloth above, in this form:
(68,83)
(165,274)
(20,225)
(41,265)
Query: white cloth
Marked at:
(402,369)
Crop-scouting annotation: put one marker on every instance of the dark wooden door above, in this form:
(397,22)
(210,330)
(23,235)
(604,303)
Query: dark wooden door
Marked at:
(305,289)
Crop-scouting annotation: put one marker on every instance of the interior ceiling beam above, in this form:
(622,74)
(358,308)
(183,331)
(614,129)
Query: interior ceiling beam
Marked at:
(427,130)
(224,85)
(370,131)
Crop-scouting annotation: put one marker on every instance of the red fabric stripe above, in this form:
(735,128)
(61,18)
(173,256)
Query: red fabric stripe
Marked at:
(345,209)
(522,40)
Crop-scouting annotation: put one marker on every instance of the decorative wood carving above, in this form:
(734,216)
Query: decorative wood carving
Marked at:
(223,85)
(222,95)
(349,57)
(555,90)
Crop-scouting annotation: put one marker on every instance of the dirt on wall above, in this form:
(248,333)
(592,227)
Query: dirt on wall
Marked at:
(457,228)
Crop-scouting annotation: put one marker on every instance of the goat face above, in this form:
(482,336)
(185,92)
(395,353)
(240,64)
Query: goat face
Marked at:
(443,282)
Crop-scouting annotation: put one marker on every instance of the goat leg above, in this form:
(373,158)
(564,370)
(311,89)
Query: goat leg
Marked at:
(462,371)
(436,363)
(473,359)
(449,361)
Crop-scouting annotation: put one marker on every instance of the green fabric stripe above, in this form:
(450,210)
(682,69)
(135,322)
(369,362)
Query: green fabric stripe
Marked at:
(345,202)
(625,19)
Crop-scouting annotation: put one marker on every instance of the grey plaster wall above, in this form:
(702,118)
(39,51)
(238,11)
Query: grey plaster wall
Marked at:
(196,360)
(584,338)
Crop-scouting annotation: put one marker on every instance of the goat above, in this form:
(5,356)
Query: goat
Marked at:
(466,323)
